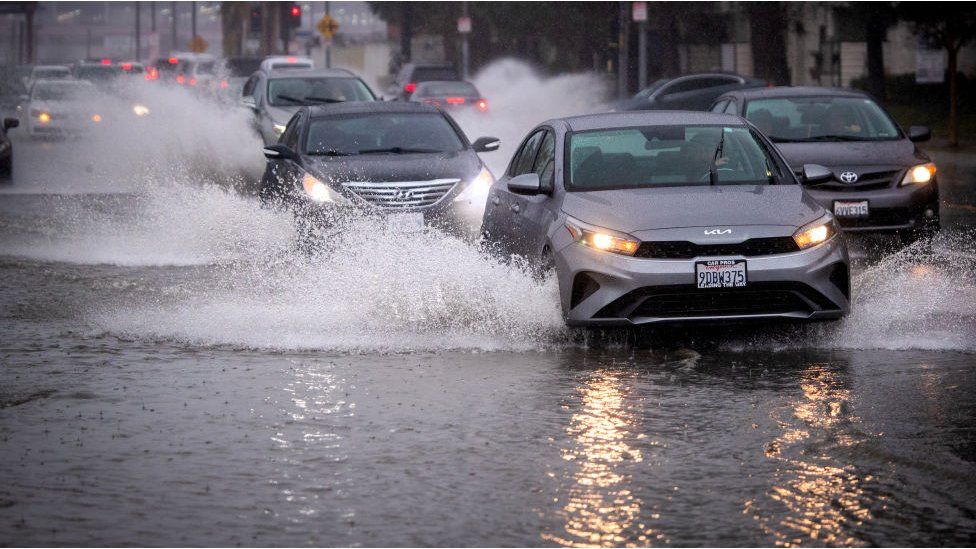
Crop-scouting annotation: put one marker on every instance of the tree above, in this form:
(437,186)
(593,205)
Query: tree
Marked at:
(950,26)
(767,27)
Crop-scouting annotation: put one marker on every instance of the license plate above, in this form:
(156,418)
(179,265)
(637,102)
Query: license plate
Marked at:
(857,208)
(720,273)
(405,222)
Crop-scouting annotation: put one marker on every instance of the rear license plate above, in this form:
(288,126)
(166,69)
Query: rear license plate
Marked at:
(858,208)
(720,273)
(405,222)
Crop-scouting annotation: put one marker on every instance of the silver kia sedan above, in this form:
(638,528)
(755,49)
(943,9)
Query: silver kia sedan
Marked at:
(668,217)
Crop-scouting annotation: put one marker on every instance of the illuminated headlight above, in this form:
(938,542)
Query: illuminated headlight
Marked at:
(278,129)
(96,118)
(42,117)
(601,239)
(140,110)
(477,189)
(320,192)
(919,175)
(815,233)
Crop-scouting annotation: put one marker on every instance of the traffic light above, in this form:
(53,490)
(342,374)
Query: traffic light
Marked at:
(293,16)
(296,10)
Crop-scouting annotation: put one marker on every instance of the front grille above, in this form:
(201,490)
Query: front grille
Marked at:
(684,301)
(680,249)
(402,194)
(865,182)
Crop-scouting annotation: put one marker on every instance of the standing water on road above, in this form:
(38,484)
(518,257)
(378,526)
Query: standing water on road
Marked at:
(175,371)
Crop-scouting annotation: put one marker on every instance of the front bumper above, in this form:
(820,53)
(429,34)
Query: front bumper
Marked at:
(604,289)
(890,209)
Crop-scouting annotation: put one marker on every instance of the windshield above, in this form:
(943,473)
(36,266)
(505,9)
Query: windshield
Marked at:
(61,91)
(441,89)
(392,133)
(821,119)
(284,92)
(668,156)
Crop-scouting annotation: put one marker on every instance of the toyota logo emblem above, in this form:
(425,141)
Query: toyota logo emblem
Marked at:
(848,177)
(402,194)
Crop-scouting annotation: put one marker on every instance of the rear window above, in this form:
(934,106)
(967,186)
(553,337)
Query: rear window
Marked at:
(367,133)
(442,89)
(285,66)
(97,73)
(424,74)
(51,72)
(667,156)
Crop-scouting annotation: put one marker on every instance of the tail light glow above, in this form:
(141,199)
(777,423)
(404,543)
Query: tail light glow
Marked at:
(410,87)
(173,60)
(482,105)
(223,84)
(180,79)
(291,59)
(454,100)
(106,61)
(127,66)
(193,81)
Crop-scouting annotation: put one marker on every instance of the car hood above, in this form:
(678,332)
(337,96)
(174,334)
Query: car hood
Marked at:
(632,210)
(462,165)
(852,153)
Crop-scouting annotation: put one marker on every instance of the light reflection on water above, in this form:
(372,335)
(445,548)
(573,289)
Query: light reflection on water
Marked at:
(815,498)
(600,508)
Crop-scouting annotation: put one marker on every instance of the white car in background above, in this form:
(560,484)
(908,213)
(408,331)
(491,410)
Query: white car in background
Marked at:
(58,108)
(46,72)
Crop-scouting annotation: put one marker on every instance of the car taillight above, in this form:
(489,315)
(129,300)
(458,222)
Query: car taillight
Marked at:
(223,84)
(180,79)
(173,60)
(193,81)
(482,105)
(127,66)
(292,59)
(106,61)
(455,100)
(410,87)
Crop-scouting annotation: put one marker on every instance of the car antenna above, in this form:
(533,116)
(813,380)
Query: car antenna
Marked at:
(713,170)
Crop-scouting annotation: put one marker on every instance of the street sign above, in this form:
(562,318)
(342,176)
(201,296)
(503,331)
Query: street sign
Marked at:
(327,27)
(639,9)
(464,25)
(198,44)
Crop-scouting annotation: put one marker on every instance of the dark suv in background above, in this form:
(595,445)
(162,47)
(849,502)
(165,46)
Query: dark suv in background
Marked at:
(412,74)
(879,180)
(693,92)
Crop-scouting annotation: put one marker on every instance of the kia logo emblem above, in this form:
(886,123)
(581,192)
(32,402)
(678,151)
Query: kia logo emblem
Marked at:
(718,231)
(848,177)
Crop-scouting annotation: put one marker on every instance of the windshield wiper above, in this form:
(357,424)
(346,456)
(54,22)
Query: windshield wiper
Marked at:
(832,138)
(309,99)
(398,150)
(290,98)
(713,170)
(325,100)
(329,152)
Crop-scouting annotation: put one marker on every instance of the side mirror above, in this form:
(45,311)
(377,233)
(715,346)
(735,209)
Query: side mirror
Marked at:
(527,183)
(248,102)
(918,134)
(278,151)
(486,144)
(10,123)
(815,173)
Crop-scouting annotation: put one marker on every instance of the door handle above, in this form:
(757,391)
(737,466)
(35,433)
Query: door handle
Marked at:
(495,200)
(515,208)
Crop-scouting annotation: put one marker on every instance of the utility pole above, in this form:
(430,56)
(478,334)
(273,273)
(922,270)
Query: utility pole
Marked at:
(640,15)
(29,14)
(465,51)
(172,15)
(623,46)
(138,31)
(193,23)
(152,17)
(328,44)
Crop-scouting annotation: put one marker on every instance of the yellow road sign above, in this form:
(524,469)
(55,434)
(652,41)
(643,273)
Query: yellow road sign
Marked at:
(327,26)
(198,44)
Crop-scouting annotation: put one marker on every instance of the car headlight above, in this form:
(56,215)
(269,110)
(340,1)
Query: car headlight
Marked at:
(42,116)
(140,110)
(815,233)
(919,175)
(477,189)
(320,192)
(601,239)
(278,128)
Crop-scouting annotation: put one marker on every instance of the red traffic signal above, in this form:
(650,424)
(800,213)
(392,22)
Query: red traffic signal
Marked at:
(296,10)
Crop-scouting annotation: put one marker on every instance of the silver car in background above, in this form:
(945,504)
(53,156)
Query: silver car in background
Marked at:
(668,216)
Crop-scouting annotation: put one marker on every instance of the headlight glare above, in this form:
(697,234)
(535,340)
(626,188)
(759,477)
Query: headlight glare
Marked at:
(601,239)
(318,191)
(44,117)
(477,189)
(919,175)
(140,110)
(814,234)
(279,129)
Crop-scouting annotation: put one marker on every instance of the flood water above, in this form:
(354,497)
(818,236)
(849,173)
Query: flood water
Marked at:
(174,372)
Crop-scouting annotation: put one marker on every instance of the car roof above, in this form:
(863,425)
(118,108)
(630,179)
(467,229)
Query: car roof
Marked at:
(436,82)
(633,119)
(360,107)
(291,73)
(794,91)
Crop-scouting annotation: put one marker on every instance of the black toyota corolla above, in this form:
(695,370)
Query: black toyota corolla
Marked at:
(880,181)
(408,163)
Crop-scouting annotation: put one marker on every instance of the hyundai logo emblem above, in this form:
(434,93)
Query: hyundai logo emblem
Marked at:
(402,194)
(848,177)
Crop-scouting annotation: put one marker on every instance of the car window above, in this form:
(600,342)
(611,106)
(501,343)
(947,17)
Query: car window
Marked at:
(249,86)
(290,136)
(423,74)
(664,156)
(364,133)
(283,92)
(544,160)
(525,161)
(826,118)
(732,107)
(720,106)
(61,90)
(441,89)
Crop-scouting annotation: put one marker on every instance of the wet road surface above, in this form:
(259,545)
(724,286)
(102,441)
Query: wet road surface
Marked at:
(171,373)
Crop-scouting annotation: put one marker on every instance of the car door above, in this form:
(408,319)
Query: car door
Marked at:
(499,226)
(279,173)
(532,217)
